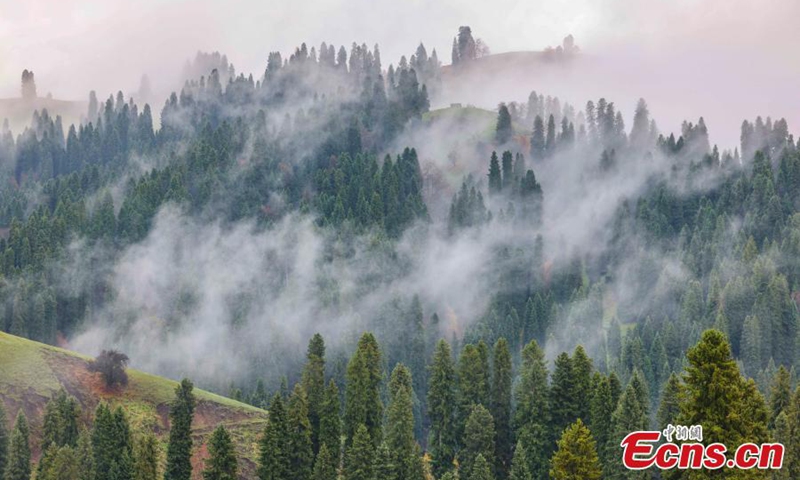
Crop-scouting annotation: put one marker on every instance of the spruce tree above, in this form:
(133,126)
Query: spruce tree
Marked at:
(400,423)
(330,423)
(384,463)
(582,368)
(538,145)
(314,384)
(495,175)
(501,407)
(564,404)
(363,404)
(473,382)
(792,446)
(325,464)
(273,460)
(84,456)
(780,393)
(479,438)
(358,464)
(179,449)
(481,470)
(503,129)
(441,409)
(576,456)
(221,463)
(146,462)
(532,416)
(18,465)
(628,417)
(601,410)
(299,448)
(669,407)
(519,465)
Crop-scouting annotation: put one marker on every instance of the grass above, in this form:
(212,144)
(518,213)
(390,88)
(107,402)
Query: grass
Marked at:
(24,368)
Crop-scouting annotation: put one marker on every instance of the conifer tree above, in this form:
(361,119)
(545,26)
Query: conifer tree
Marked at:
(538,142)
(441,409)
(601,410)
(400,423)
(564,404)
(576,456)
(384,463)
(473,381)
(18,465)
(508,169)
(363,404)
(532,416)
(221,463)
(273,462)
(84,456)
(550,139)
(495,175)
(324,465)
(792,446)
(780,393)
(358,464)
(582,368)
(519,465)
(481,470)
(298,447)
(60,425)
(629,416)
(330,424)
(503,130)
(501,406)
(669,407)
(146,462)
(179,449)
(479,438)
(314,384)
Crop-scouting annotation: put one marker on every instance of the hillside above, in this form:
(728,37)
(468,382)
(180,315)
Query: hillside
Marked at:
(31,372)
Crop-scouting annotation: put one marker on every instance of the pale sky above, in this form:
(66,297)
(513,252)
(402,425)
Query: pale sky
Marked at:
(106,45)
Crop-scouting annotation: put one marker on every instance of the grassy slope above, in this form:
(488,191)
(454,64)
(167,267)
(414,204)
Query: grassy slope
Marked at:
(31,372)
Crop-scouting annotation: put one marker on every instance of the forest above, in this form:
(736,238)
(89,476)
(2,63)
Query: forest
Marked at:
(294,240)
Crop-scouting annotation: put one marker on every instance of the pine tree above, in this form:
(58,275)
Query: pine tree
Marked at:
(324,465)
(18,466)
(400,423)
(179,449)
(479,438)
(508,169)
(221,463)
(780,393)
(669,408)
(501,406)
(576,456)
(495,175)
(146,455)
(582,368)
(503,130)
(273,460)
(717,397)
(519,465)
(441,409)
(550,140)
(60,425)
(473,381)
(314,384)
(383,465)
(84,456)
(330,424)
(629,416)
(564,404)
(481,470)
(363,404)
(601,410)
(358,463)
(792,446)
(532,417)
(299,448)
(3,439)
(538,145)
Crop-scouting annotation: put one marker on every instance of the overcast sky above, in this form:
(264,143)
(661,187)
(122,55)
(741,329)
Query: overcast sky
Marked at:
(74,46)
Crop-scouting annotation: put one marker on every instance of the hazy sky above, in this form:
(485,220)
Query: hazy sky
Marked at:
(106,45)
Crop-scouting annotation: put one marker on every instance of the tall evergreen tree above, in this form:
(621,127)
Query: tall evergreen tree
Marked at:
(358,464)
(221,463)
(576,457)
(179,449)
(669,408)
(479,438)
(441,409)
(18,465)
(564,405)
(532,416)
(538,142)
(330,423)
(601,411)
(84,456)
(363,404)
(780,393)
(473,381)
(519,465)
(273,459)
(314,384)
(582,368)
(495,175)
(400,423)
(501,407)
(299,449)
(325,464)
(481,470)
(503,130)
(146,462)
